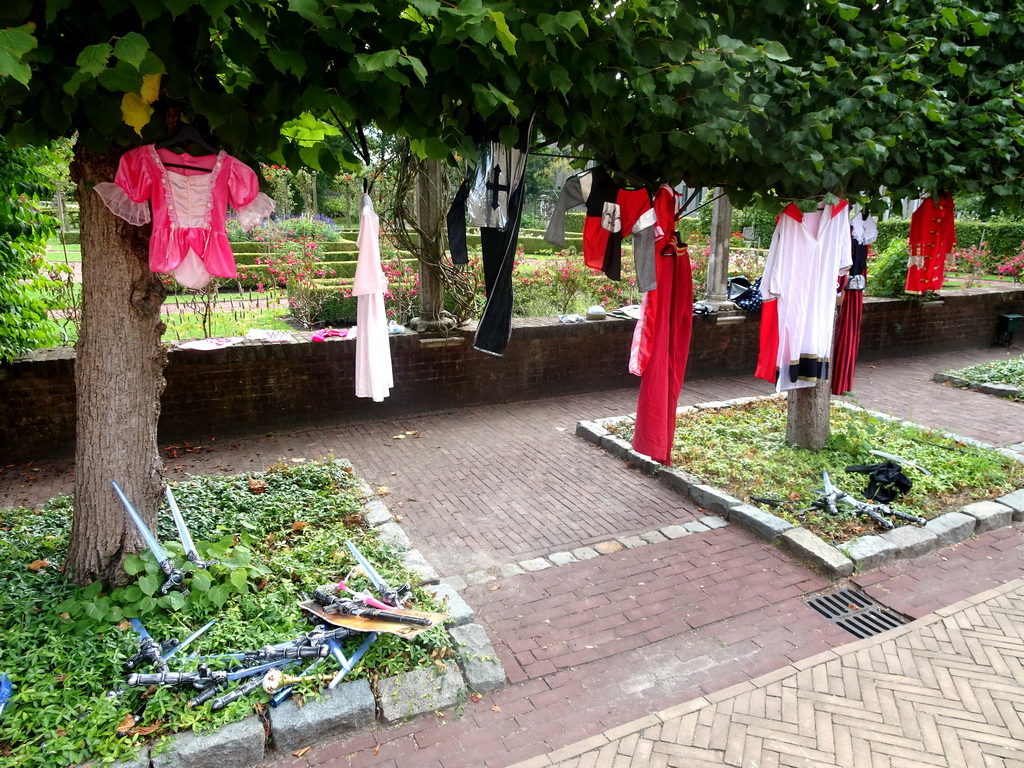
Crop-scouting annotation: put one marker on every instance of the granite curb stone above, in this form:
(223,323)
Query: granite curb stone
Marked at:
(989,514)
(911,541)
(483,672)
(419,691)
(999,390)
(239,743)
(871,551)
(348,707)
(763,524)
(1014,501)
(951,528)
(804,545)
(459,612)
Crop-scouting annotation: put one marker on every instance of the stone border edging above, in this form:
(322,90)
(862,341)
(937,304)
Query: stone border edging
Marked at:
(864,552)
(999,390)
(353,705)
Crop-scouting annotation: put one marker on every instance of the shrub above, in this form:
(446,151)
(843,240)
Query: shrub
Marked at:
(887,273)
(1013,266)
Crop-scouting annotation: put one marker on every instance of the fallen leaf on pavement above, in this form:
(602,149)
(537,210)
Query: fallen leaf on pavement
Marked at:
(302,751)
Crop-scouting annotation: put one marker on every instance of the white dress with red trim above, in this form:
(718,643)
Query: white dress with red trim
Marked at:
(808,252)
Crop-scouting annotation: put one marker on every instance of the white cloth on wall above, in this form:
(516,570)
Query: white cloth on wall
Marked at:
(374,377)
(807,254)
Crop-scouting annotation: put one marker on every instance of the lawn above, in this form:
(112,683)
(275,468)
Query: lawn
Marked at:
(742,449)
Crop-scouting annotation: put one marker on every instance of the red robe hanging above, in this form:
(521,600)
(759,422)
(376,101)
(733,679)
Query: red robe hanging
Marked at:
(668,321)
(932,240)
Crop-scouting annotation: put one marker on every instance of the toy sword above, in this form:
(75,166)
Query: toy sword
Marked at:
(391,596)
(6,688)
(186,537)
(175,576)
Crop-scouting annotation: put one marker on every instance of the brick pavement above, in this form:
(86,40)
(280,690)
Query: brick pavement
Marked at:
(667,622)
(947,690)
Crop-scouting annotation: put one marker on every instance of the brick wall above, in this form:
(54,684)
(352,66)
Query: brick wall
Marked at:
(260,386)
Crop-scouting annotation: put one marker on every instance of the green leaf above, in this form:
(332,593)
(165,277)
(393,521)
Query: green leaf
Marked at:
(201,581)
(93,58)
(377,62)
(981,29)
(239,579)
(174,600)
(956,68)
(149,584)
(776,51)
(417,67)
(15,43)
(288,61)
(426,7)
(505,36)
(131,49)
(92,591)
(825,129)
(134,564)
(219,595)
(431,148)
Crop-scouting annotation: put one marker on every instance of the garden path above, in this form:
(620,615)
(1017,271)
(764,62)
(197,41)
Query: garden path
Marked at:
(593,648)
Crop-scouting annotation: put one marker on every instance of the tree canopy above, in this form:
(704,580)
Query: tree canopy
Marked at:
(759,96)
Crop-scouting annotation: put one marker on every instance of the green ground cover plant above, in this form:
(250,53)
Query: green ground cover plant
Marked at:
(742,449)
(1009,371)
(279,534)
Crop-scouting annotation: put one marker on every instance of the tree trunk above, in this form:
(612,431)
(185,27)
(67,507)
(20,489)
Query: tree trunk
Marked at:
(430,224)
(118,382)
(807,417)
(721,233)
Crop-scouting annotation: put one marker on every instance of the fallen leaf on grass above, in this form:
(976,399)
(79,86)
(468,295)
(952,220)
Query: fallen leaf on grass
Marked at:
(35,565)
(298,526)
(302,751)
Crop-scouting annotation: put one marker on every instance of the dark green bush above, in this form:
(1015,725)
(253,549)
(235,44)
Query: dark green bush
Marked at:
(887,273)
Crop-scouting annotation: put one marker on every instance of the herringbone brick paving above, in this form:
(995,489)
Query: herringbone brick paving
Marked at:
(947,690)
(668,622)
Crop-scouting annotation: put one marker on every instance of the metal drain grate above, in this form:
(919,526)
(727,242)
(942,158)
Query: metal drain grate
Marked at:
(856,613)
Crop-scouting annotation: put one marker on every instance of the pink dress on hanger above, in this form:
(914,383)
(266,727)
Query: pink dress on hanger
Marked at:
(374,377)
(189,208)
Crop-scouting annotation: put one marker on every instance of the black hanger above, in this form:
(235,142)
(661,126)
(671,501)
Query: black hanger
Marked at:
(188,134)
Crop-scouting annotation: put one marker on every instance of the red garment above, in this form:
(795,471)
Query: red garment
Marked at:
(769,348)
(847,341)
(671,325)
(666,207)
(612,213)
(932,240)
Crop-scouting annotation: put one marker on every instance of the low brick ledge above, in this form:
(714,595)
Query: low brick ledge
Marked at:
(862,553)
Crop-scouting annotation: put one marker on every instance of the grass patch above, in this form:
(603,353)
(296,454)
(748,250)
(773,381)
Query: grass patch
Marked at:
(742,449)
(64,646)
(1009,372)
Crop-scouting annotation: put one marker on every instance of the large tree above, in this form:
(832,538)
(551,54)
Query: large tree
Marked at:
(762,97)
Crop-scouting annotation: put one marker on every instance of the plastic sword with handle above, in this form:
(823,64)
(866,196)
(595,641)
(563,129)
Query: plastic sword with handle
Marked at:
(391,596)
(186,537)
(175,576)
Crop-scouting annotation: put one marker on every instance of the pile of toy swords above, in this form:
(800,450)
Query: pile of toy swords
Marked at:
(260,668)
(829,498)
